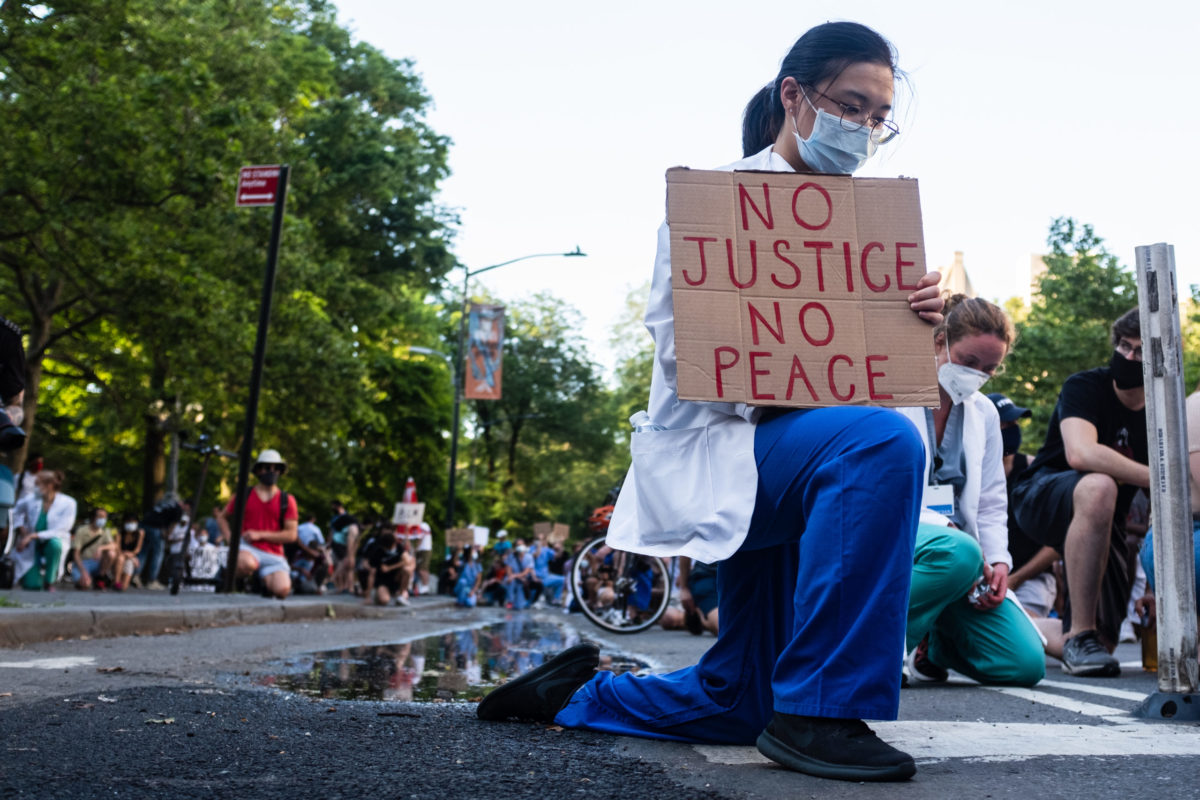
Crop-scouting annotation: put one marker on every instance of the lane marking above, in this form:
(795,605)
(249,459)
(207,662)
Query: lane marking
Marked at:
(1065,703)
(65,662)
(1119,694)
(932,741)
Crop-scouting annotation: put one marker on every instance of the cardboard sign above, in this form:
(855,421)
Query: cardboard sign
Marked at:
(408,514)
(481,535)
(257,185)
(458,538)
(552,532)
(791,289)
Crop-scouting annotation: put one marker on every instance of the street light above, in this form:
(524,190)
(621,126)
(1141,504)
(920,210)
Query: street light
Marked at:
(459,365)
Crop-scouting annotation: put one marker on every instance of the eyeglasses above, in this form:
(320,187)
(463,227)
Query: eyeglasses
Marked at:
(854,117)
(1128,350)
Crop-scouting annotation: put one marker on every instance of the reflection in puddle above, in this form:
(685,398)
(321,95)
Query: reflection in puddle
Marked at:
(458,665)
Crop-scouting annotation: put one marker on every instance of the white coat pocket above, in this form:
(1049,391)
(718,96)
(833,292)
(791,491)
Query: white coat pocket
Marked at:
(674,483)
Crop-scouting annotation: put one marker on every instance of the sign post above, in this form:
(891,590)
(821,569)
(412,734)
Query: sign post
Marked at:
(1175,581)
(257,186)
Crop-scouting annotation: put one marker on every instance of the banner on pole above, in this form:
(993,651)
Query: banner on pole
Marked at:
(485,343)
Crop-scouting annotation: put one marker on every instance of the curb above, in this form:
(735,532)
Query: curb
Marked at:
(31,626)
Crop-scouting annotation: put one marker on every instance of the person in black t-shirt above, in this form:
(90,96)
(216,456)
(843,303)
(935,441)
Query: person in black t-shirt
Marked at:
(391,567)
(1075,495)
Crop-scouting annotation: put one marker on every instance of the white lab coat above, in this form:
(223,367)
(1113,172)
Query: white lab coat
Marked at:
(691,488)
(60,521)
(984,500)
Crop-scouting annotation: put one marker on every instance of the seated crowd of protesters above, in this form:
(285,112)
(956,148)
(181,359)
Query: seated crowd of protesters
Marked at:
(509,575)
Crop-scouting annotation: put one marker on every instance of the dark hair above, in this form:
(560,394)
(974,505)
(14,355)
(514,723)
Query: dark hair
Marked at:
(971,316)
(1129,326)
(820,54)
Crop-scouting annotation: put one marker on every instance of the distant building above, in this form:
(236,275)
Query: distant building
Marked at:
(955,278)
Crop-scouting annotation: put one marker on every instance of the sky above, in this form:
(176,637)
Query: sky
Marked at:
(564,118)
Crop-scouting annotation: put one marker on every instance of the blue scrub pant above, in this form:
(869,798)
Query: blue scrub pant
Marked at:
(553,586)
(464,596)
(515,594)
(812,605)
(151,555)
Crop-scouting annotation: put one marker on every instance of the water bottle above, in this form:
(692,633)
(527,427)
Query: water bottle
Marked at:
(641,423)
(1149,639)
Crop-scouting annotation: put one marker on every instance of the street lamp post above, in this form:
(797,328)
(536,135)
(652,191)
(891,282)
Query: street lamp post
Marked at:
(459,365)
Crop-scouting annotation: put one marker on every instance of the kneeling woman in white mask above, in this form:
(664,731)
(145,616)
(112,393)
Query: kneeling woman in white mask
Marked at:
(960,613)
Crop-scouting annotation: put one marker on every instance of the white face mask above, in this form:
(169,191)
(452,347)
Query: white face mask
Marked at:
(101,522)
(960,382)
(131,526)
(830,147)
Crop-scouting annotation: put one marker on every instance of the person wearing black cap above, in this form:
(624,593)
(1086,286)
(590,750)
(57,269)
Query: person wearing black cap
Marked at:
(1032,579)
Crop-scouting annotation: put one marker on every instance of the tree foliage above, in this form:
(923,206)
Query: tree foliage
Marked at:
(540,451)
(1067,328)
(122,126)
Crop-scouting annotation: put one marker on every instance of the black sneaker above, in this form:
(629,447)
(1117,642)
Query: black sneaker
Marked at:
(1084,655)
(921,669)
(541,693)
(845,749)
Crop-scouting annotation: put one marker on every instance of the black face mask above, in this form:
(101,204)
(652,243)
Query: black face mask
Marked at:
(1127,374)
(1011,439)
(268,477)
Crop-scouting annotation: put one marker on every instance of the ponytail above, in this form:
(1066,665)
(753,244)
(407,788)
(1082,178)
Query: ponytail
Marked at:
(761,120)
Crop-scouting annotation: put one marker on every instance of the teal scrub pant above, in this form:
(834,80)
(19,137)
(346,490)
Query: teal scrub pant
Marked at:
(48,554)
(997,646)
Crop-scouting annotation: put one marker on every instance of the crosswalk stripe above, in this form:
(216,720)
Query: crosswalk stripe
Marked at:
(1119,694)
(1058,701)
(931,741)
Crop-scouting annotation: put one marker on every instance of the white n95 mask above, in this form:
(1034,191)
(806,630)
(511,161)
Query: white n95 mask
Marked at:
(960,382)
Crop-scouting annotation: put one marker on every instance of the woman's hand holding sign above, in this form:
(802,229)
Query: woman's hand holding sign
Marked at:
(927,300)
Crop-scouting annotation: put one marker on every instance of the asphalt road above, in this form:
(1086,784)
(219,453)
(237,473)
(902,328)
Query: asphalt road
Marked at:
(187,715)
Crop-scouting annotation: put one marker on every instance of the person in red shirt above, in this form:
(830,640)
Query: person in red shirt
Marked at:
(263,537)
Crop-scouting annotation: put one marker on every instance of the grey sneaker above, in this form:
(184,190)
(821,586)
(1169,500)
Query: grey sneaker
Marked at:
(1084,655)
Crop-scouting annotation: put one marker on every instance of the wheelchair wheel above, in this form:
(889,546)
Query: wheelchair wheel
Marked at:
(619,591)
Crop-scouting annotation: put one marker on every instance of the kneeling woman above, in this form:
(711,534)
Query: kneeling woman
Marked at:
(960,613)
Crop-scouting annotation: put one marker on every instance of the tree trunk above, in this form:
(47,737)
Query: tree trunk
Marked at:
(154,461)
(42,318)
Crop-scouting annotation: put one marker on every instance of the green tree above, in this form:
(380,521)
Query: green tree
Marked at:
(544,448)
(1083,291)
(122,125)
(635,357)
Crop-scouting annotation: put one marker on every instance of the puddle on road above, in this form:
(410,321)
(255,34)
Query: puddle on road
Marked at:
(458,665)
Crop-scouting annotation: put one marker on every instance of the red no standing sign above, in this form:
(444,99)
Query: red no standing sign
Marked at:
(258,185)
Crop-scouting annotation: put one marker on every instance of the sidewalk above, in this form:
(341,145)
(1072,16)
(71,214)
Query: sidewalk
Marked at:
(68,613)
